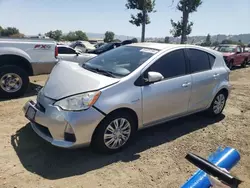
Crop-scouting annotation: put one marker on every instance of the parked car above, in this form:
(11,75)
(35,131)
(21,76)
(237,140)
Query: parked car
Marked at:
(106,100)
(104,48)
(99,44)
(84,46)
(69,54)
(234,55)
(21,58)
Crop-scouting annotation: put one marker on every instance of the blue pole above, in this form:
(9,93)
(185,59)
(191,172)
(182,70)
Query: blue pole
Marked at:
(226,158)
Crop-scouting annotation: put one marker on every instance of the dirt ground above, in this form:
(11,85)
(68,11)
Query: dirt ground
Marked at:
(156,159)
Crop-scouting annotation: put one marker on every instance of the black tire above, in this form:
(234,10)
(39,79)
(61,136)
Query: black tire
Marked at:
(244,63)
(24,79)
(211,110)
(98,143)
(230,64)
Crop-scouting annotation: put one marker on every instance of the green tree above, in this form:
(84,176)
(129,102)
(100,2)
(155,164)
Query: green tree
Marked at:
(207,42)
(142,18)
(56,35)
(184,27)
(9,31)
(81,35)
(166,39)
(109,36)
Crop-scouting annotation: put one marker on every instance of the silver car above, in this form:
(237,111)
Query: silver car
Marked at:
(105,101)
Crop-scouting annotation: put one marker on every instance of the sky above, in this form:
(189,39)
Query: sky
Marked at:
(98,16)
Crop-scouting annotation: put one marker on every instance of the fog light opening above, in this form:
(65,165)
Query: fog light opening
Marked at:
(69,134)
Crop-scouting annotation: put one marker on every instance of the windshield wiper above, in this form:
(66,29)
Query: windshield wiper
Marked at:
(107,73)
(97,70)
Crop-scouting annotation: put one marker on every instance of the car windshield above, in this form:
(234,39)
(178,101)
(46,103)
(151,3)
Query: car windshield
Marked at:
(121,61)
(226,49)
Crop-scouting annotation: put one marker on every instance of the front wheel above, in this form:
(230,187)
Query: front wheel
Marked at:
(114,133)
(218,104)
(14,81)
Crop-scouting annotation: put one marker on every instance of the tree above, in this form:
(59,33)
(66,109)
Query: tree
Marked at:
(184,27)
(142,18)
(56,35)
(109,36)
(9,31)
(207,42)
(81,35)
(166,39)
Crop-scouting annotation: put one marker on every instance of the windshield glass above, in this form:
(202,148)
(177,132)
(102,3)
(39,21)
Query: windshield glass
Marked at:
(120,61)
(226,49)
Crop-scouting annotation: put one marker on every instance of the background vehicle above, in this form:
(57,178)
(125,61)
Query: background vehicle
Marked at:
(21,58)
(99,44)
(234,55)
(106,47)
(84,46)
(69,54)
(126,89)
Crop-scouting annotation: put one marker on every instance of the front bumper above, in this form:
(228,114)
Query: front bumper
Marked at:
(50,123)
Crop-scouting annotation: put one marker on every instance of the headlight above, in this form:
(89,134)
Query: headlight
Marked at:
(78,102)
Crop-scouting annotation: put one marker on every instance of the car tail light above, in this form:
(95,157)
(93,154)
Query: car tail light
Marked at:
(56,52)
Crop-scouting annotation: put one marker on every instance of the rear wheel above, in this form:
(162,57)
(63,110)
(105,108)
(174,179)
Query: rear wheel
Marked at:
(114,133)
(244,64)
(14,81)
(218,104)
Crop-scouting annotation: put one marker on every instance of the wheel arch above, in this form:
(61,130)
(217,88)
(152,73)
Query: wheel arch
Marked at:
(11,59)
(119,110)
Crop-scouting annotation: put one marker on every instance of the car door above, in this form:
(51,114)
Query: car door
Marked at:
(239,58)
(67,54)
(168,97)
(204,78)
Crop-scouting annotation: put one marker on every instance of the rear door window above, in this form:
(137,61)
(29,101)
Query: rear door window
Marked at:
(199,60)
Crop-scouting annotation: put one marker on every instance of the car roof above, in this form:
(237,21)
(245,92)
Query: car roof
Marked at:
(157,46)
(163,46)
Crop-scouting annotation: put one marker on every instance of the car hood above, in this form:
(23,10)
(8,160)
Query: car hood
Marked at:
(68,79)
(225,54)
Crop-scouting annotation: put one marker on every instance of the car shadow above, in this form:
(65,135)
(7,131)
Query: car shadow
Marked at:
(39,157)
(31,91)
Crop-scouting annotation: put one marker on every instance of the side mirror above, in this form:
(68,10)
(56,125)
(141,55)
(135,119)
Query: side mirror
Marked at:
(154,77)
(237,52)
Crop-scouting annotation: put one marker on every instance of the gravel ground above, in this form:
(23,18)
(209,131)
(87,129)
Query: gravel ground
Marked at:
(156,159)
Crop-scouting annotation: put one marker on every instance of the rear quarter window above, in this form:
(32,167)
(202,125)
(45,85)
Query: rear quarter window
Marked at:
(211,59)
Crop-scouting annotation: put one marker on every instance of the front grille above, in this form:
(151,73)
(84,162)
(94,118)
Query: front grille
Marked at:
(43,129)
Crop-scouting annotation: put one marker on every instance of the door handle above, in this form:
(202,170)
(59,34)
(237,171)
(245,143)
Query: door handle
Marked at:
(216,75)
(186,84)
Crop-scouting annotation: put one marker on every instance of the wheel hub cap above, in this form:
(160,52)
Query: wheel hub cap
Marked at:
(11,82)
(219,103)
(117,133)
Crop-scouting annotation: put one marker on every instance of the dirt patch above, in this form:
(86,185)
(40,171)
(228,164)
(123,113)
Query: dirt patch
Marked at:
(156,159)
